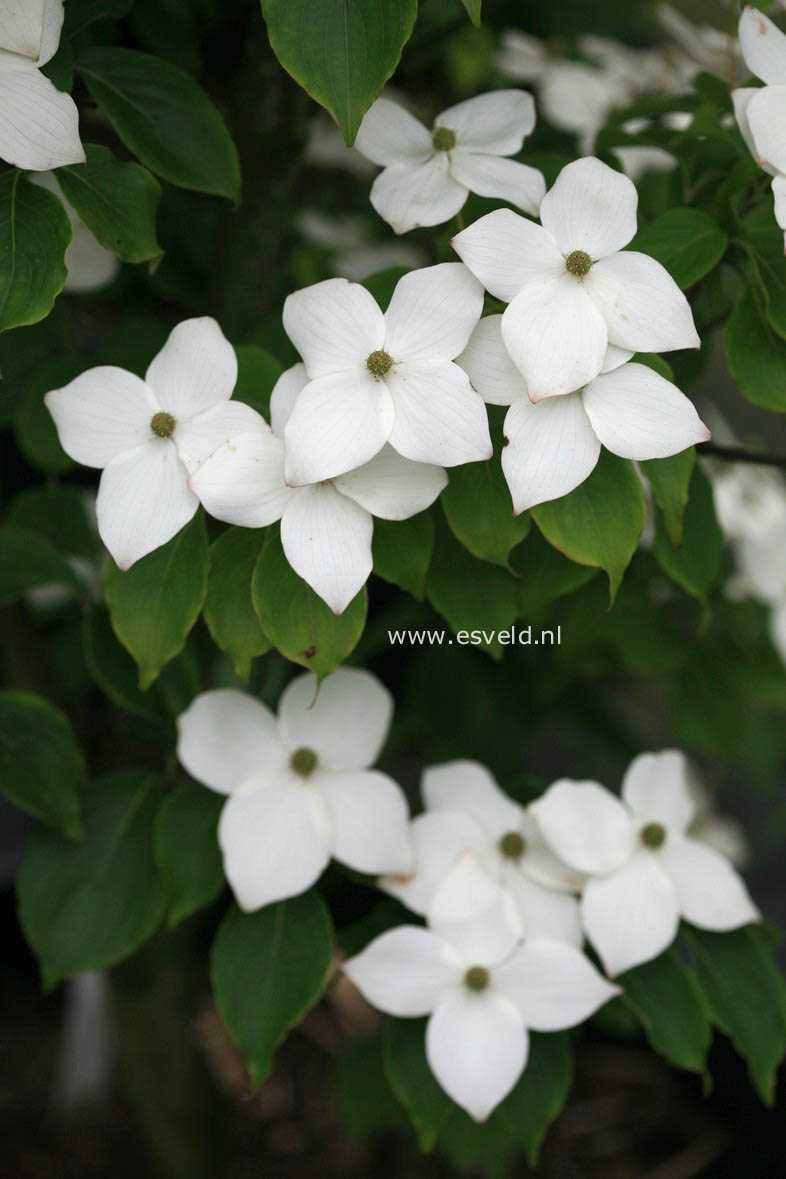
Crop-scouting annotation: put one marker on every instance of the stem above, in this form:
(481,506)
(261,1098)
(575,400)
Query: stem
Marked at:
(459,221)
(740,454)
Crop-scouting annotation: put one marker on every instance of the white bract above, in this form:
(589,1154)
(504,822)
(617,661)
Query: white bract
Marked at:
(90,267)
(429,174)
(326,527)
(643,870)
(299,786)
(571,289)
(148,436)
(377,378)
(481,988)
(39,125)
(553,444)
(467,812)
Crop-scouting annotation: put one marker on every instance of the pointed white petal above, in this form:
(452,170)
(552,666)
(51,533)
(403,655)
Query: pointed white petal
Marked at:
(494,176)
(39,125)
(338,423)
(497,122)
(200,436)
(101,414)
(763,46)
(556,336)
(22,26)
(615,358)
(778,628)
(439,418)
(637,414)
(741,97)
(467,786)
(507,253)
(656,788)
(392,487)
(90,267)
(766,113)
(345,722)
(143,501)
(543,912)
(779,193)
(196,368)
(585,825)
(275,835)
(370,820)
(590,207)
(54,13)
(438,839)
(432,313)
(552,985)
(411,195)
(643,307)
(632,915)
(243,482)
(285,393)
(475,914)
(226,738)
(540,864)
(405,971)
(477,1048)
(638,160)
(487,363)
(710,892)
(551,449)
(327,540)
(391,135)
(334,325)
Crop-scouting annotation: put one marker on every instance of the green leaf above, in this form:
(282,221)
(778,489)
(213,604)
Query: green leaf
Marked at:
(665,998)
(402,551)
(87,905)
(366,1102)
(34,235)
(541,1093)
(164,118)
(686,241)
(601,521)
(81,13)
(341,52)
(746,993)
(382,284)
(116,201)
(60,515)
(756,355)
(112,668)
(28,560)
(473,9)
(477,504)
(296,620)
(669,479)
(413,1082)
(696,562)
(544,574)
(41,764)
(257,373)
(186,849)
(268,969)
(229,611)
(154,605)
(470,595)
(34,428)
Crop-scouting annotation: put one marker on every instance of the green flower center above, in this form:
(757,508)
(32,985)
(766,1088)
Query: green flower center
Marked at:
(476,978)
(163,425)
(443,138)
(303,762)
(578,263)
(653,835)
(379,364)
(512,845)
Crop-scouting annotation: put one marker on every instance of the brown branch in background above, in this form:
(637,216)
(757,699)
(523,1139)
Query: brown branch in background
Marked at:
(740,454)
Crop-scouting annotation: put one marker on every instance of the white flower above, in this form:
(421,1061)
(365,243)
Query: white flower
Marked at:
(570,289)
(429,174)
(377,378)
(644,872)
(479,986)
(90,267)
(724,834)
(751,506)
(761,113)
(554,444)
(467,812)
(706,47)
(149,435)
(39,125)
(638,159)
(299,786)
(326,527)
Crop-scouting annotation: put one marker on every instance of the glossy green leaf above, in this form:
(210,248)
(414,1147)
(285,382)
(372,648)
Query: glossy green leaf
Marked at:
(544,574)
(477,504)
(413,1082)
(669,479)
(113,670)
(28,560)
(229,611)
(686,241)
(186,849)
(41,764)
(473,9)
(541,1092)
(402,550)
(34,235)
(665,998)
(696,562)
(756,355)
(117,202)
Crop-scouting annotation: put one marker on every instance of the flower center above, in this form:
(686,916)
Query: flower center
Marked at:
(512,845)
(303,762)
(476,978)
(443,138)
(653,835)
(162,425)
(379,363)
(578,263)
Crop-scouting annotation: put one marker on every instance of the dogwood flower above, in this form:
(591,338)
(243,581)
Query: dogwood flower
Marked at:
(149,435)
(326,527)
(467,812)
(298,784)
(428,175)
(481,988)
(643,870)
(553,444)
(90,267)
(570,289)
(377,378)
(39,125)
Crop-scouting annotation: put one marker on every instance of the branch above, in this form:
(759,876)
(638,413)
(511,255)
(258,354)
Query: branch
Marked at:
(740,454)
